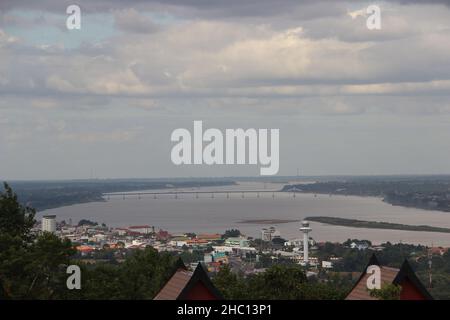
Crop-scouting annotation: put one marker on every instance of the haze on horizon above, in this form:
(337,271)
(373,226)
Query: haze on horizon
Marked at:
(102,101)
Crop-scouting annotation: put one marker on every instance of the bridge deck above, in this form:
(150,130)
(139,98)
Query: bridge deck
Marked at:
(137,193)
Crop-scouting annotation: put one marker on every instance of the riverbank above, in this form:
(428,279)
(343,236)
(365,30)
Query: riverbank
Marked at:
(420,192)
(44,195)
(376,224)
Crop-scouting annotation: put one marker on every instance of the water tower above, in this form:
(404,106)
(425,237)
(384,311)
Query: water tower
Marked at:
(305,229)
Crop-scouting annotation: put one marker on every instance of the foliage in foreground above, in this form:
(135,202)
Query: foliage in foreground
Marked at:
(387,292)
(283,282)
(34,266)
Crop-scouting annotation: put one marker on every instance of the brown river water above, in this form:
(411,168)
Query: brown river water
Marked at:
(207,215)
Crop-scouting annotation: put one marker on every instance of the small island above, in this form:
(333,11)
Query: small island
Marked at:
(375,224)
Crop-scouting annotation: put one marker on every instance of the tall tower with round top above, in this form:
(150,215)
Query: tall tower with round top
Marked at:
(305,229)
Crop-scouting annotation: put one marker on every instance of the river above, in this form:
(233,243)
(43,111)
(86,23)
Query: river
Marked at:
(207,215)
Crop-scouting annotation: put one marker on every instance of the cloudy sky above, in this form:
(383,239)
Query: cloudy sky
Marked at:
(102,101)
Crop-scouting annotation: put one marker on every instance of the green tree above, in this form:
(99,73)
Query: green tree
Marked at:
(85,222)
(387,292)
(16,220)
(30,266)
(231,233)
(278,282)
(48,258)
(229,284)
(287,282)
(144,273)
(101,282)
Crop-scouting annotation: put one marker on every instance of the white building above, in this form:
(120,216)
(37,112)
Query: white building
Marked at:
(178,243)
(297,243)
(68,230)
(120,231)
(236,242)
(99,237)
(267,234)
(49,223)
(223,249)
(141,229)
(360,245)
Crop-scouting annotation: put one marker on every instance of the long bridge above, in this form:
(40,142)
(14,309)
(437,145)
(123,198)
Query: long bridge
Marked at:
(196,193)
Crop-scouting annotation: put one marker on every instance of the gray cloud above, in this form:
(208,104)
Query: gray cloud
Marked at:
(129,20)
(230,8)
(342,95)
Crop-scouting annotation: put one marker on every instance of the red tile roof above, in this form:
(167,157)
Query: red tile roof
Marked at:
(187,285)
(412,288)
(360,291)
(84,248)
(207,236)
(175,285)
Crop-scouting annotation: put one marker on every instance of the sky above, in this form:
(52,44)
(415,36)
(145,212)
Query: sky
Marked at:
(102,101)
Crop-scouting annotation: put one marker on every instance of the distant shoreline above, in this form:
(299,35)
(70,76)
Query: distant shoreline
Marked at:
(419,194)
(55,194)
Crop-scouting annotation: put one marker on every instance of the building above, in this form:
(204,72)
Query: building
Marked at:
(49,223)
(141,229)
(411,287)
(188,285)
(267,234)
(297,243)
(236,242)
(120,231)
(85,249)
(220,257)
(294,256)
(179,241)
(438,250)
(207,258)
(362,245)
(162,235)
(209,237)
(223,249)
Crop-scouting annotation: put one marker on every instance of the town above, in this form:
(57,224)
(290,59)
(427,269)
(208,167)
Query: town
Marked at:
(244,255)
(241,253)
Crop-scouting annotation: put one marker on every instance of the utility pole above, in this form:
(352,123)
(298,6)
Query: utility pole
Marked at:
(430,275)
